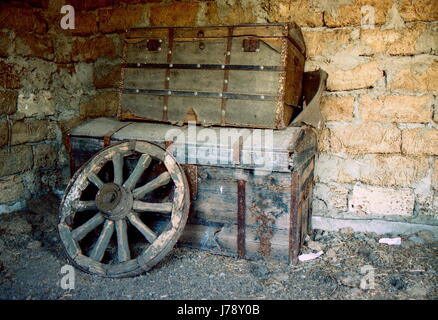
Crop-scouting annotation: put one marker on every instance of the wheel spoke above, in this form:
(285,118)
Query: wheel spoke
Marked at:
(80,232)
(164,207)
(161,180)
(95,180)
(142,164)
(79,205)
(123,252)
(118,168)
(145,230)
(102,243)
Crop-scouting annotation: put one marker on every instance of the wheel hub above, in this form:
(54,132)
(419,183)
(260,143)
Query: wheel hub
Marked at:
(114,201)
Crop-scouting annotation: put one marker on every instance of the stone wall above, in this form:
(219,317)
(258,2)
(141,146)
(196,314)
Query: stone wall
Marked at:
(378,151)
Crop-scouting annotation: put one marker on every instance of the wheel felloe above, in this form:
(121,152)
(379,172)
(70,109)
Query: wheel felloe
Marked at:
(119,205)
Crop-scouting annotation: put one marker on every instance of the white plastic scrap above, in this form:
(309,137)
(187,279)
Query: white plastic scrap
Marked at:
(309,256)
(391,241)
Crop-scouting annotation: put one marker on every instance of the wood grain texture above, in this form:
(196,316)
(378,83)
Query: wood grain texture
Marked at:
(215,46)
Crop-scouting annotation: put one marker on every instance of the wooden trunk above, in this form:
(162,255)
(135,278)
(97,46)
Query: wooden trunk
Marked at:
(239,205)
(244,76)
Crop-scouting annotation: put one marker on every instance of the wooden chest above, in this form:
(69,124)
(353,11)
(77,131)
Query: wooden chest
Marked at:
(244,76)
(250,195)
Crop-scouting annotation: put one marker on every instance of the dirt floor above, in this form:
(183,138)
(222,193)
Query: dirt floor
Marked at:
(31,258)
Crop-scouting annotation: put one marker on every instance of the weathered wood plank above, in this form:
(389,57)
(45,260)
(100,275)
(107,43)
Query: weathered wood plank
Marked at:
(254,82)
(202,52)
(268,54)
(144,78)
(139,53)
(204,111)
(142,106)
(250,113)
(196,80)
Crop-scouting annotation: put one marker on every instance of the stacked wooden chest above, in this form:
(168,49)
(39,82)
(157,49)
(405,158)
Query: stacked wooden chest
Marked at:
(250,194)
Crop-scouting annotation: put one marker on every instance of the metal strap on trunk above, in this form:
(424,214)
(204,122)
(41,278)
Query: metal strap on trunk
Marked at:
(226,73)
(241,212)
(167,74)
(109,134)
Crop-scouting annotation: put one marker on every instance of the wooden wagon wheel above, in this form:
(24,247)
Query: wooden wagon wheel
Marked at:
(118,205)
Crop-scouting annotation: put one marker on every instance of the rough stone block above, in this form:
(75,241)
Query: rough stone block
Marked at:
(11,189)
(4,133)
(29,131)
(40,104)
(303,12)
(120,19)
(362,76)
(324,140)
(6,44)
(44,155)
(416,38)
(435,174)
(89,50)
(21,19)
(393,108)
(106,75)
(427,204)
(91,4)
(77,78)
(365,138)
(419,10)
(63,47)
(420,141)
(329,199)
(30,45)
(378,170)
(415,74)
(394,170)
(19,159)
(104,104)
(350,13)
(8,101)
(8,76)
(174,14)
(335,108)
(381,201)
(85,24)
(326,42)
